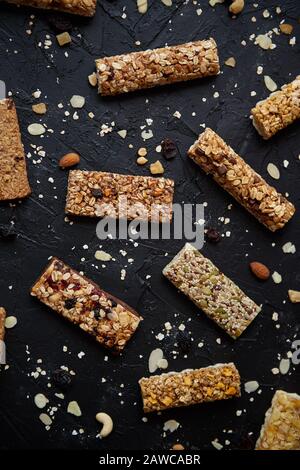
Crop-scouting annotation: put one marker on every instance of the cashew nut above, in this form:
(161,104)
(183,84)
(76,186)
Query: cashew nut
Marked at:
(237,6)
(107,422)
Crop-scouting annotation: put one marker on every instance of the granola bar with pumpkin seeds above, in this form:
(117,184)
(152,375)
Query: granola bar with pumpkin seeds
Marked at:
(13,174)
(100,194)
(277,111)
(76,7)
(190,387)
(281,429)
(234,175)
(84,303)
(163,66)
(219,297)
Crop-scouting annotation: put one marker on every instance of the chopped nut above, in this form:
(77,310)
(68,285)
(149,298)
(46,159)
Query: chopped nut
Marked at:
(39,108)
(92,79)
(230,62)
(142,6)
(122,133)
(237,6)
(142,152)
(270,84)
(294,296)
(63,38)
(156,168)
(286,28)
(177,447)
(68,160)
(141,161)
(77,101)
(74,409)
(10,322)
(260,270)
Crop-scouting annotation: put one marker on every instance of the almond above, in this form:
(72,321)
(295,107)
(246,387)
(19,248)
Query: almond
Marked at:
(260,270)
(68,160)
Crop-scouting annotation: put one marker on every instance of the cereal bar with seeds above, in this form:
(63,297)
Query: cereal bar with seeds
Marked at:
(219,297)
(76,7)
(13,174)
(99,194)
(278,111)
(153,67)
(281,429)
(85,304)
(190,387)
(234,175)
(2,323)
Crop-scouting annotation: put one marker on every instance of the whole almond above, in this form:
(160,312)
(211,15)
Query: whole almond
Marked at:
(260,270)
(68,160)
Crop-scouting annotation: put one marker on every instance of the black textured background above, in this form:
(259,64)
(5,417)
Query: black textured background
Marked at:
(42,231)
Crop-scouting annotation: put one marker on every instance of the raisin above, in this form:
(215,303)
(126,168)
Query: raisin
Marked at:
(97,193)
(7,232)
(183,341)
(169,149)
(62,379)
(59,22)
(97,315)
(113,304)
(70,303)
(212,235)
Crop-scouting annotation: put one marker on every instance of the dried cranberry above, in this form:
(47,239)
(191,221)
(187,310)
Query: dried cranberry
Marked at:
(7,232)
(169,149)
(212,235)
(97,193)
(59,22)
(70,303)
(62,379)
(183,341)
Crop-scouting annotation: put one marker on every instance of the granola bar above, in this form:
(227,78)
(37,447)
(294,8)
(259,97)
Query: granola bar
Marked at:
(150,68)
(277,111)
(231,172)
(76,7)
(99,194)
(2,323)
(202,282)
(85,304)
(281,429)
(190,387)
(13,175)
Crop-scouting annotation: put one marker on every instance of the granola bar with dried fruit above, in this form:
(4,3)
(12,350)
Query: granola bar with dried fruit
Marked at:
(234,175)
(205,285)
(84,303)
(99,194)
(13,174)
(76,7)
(150,68)
(190,387)
(281,429)
(277,111)
(2,323)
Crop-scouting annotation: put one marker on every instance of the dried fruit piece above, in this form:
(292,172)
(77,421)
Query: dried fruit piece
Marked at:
(294,296)
(270,84)
(212,235)
(156,168)
(142,152)
(237,6)
(260,270)
(286,28)
(68,160)
(168,149)
(62,379)
(39,108)
(141,161)
(63,39)
(92,78)
(97,193)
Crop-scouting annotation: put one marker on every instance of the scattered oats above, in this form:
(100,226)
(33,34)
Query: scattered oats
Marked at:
(216,94)
(36,129)
(122,133)
(270,84)
(253,93)
(215,2)
(10,322)
(92,78)
(142,6)
(39,108)
(275,316)
(37,94)
(102,256)
(278,10)
(292,41)
(73,408)
(77,101)
(238,412)
(91,115)
(63,38)
(142,152)
(171,425)
(273,171)
(147,134)
(46,420)
(160,336)
(40,400)
(181,327)
(168,3)
(288,247)
(259,70)
(123,274)
(199,11)
(156,168)
(286,163)
(294,296)
(177,114)
(277,278)
(141,160)
(162,363)
(216,444)
(284,366)
(266,14)
(251,386)
(230,62)
(253,19)
(168,326)
(263,41)
(200,345)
